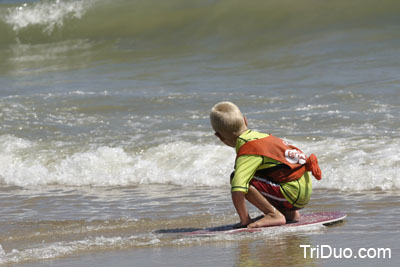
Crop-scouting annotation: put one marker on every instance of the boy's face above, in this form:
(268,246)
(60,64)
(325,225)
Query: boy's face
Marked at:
(227,140)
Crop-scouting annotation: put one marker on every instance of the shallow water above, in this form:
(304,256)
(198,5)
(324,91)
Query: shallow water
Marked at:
(97,226)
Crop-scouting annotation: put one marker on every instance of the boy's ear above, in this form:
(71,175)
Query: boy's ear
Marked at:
(217,134)
(245,120)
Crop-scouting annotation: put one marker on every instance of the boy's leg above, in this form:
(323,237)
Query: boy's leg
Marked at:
(272,193)
(272,216)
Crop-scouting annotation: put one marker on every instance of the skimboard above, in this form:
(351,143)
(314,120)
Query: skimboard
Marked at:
(306,219)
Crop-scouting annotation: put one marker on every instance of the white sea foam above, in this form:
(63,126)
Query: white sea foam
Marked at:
(64,248)
(49,14)
(179,163)
(354,165)
(357,164)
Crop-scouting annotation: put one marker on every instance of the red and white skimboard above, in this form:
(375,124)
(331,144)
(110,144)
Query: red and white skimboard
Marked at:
(306,219)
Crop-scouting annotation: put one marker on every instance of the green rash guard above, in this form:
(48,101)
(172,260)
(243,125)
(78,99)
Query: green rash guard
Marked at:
(297,192)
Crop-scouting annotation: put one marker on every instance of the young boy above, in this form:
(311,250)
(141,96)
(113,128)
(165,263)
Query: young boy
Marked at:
(269,173)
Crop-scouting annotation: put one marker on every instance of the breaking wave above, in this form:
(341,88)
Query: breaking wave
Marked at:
(348,165)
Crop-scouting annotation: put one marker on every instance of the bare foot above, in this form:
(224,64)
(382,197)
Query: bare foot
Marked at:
(270,219)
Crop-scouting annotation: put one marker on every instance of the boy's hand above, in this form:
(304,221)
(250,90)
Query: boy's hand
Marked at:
(239,225)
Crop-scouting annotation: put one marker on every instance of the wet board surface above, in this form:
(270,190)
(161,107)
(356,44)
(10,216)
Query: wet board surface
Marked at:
(306,219)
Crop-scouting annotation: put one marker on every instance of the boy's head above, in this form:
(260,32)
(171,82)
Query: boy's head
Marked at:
(227,122)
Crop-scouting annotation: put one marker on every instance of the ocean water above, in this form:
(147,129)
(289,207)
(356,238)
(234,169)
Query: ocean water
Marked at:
(106,152)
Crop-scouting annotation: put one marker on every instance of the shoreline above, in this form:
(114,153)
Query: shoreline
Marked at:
(352,233)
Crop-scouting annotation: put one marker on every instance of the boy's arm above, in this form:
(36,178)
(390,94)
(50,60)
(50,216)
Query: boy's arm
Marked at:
(238,199)
(245,167)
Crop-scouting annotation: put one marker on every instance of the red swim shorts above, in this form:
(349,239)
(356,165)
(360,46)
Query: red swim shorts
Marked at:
(272,192)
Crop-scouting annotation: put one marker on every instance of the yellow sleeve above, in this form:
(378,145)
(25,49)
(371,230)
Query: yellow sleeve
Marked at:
(245,169)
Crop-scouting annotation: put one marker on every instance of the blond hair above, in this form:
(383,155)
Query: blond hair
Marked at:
(226,117)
